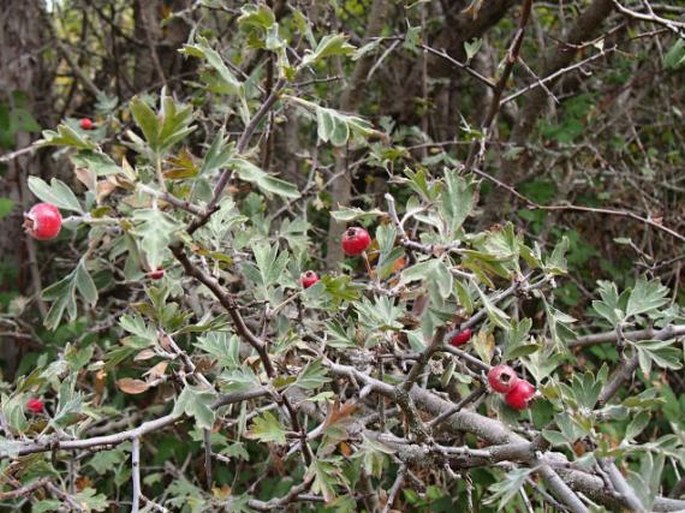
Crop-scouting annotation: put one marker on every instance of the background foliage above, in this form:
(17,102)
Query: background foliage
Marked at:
(517,165)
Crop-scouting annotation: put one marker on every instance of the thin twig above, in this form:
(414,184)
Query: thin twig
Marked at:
(17,153)
(135,473)
(241,146)
(550,78)
(578,208)
(676,26)
(395,488)
(473,396)
(511,59)
(671,331)
(468,69)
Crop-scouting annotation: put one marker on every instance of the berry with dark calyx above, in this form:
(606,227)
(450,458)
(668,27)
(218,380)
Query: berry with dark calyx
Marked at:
(355,240)
(308,278)
(502,379)
(156,274)
(43,221)
(521,395)
(461,338)
(35,405)
(86,123)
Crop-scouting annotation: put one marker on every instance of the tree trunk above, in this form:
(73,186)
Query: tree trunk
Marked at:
(25,96)
(341,188)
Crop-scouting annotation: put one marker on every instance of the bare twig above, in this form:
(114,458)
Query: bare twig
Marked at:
(621,486)
(135,473)
(241,146)
(17,153)
(24,491)
(229,304)
(553,76)
(562,491)
(621,374)
(468,69)
(473,396)
(52,444)
(395,489)
(511,59)
(579,208)
(677,27)
(671,331)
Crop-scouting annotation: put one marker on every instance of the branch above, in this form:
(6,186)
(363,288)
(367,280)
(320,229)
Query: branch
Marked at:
(51,444)
(511,59)
(520,449)
(423,359)
(622,486)
(553,76)
(243,142)
(671,331)
(562,491)
(621,374)
(229,304)
(676,26)
(578,208)
(395,488)
(135,473)
(18,153)
(443,54)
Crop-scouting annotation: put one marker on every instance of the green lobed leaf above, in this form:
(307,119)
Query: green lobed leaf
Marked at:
(267,428)
(330,44)
(155,230)
(312,376)
(58,193)
(202,50)
(646,297)
(267,183)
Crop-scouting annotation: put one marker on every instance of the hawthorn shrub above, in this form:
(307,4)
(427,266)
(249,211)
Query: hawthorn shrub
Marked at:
(223,384)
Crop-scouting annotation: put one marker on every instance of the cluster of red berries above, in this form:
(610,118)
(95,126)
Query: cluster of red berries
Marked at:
(518,392)
(354,242)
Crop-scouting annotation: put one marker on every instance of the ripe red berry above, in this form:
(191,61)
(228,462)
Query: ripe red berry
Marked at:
(502,379)
(43,221)
(156,274)
(35,405)
(355,240)
(308,278)
(520,396)
(461,338)
(86,123)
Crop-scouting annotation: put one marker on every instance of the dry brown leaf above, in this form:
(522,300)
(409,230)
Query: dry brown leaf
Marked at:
(86,177)
(132,386)
(104,188)
(158,370)
(145,354)
(340,413)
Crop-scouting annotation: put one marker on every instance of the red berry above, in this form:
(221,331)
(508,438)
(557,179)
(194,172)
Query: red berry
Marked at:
(43,221)
(461,338)
(308,278)
(86,123)
(35,405)
(520,396)
(502,379)
(355,240)
(156,274)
